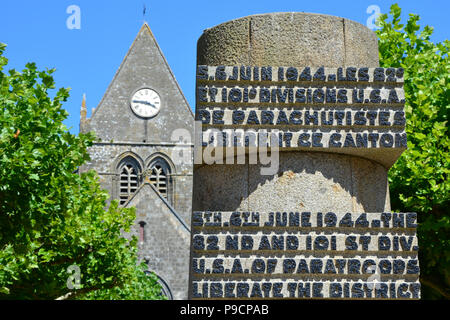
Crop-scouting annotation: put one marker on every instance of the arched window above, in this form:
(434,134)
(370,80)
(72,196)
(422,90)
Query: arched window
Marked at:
(159,176)
(165,289)
(129,172)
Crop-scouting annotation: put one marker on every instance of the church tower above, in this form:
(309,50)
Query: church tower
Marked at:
(143,155)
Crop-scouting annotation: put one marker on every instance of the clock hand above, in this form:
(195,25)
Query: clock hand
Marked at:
(144,102)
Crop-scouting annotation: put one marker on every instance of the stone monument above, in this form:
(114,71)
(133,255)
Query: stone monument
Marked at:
(313,219)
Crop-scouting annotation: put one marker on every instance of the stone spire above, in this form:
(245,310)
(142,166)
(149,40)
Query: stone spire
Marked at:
(83,112)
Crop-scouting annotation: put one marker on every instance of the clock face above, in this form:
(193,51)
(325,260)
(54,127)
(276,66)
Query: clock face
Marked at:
(146,103)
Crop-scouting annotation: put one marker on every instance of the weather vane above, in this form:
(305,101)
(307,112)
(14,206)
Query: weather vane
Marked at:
(143,11)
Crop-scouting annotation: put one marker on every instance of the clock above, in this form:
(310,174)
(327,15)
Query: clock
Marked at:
(146,103)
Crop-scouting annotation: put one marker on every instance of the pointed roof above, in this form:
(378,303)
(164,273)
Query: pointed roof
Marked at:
(156,196)
(145,28)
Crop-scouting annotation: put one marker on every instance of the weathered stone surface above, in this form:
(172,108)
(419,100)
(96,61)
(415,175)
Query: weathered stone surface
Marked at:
(370,186)
(304,180)
(229,40)
(166,240)
(310,38)
(318,182)
(218,183)
(288,38)
(361,44)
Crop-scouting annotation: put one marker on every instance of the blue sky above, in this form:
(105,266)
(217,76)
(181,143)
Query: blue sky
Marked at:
(86,59)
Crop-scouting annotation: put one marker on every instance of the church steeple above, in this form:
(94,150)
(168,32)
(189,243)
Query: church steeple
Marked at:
(83,112)
(143,82)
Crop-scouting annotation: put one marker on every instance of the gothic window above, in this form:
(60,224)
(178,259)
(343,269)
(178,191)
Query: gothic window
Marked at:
(159,176)
(129,178)
(165,289)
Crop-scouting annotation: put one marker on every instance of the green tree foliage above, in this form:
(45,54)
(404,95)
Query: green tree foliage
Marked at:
(51,217)
(419,179)
(140,287)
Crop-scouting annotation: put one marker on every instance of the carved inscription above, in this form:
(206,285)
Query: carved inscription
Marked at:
(304,255)
(344,109)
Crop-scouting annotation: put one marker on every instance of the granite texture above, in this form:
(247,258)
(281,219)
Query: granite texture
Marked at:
(219,183)
(289,38)
(304,181)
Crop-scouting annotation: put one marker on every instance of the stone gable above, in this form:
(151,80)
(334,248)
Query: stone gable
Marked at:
(144,66)
(166,239)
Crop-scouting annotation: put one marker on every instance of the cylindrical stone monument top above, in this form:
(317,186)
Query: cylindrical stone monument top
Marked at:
(350,169)
(289,38)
